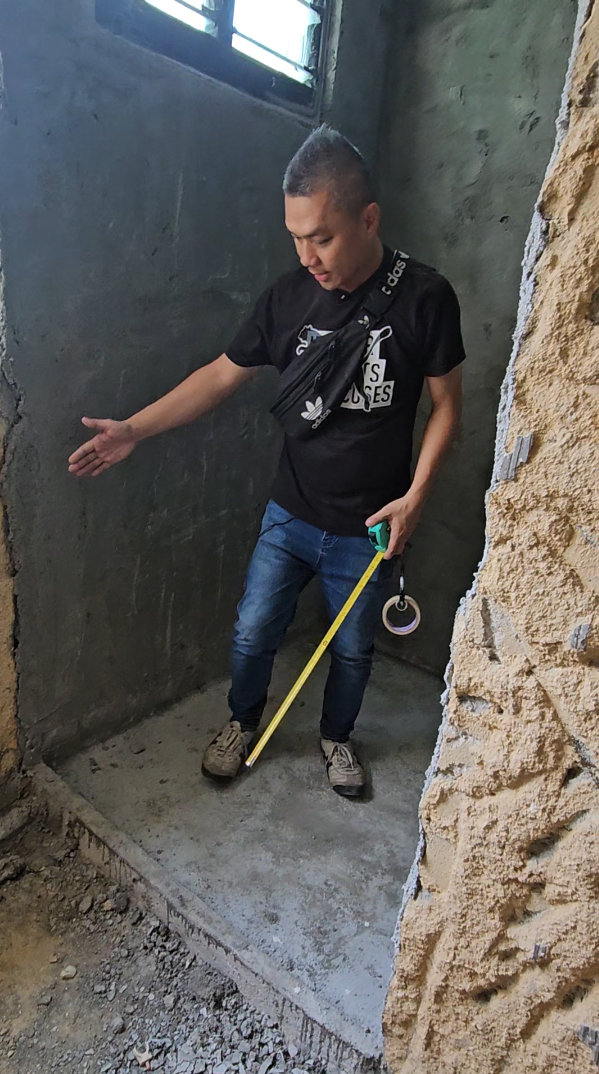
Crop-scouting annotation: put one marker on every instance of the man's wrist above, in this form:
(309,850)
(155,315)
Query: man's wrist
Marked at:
(136,428)
(417,495)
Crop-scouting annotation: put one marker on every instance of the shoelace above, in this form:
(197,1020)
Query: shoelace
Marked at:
(229,739)
(342,757)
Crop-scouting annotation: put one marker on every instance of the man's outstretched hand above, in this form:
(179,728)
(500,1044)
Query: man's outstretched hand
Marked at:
(114,440)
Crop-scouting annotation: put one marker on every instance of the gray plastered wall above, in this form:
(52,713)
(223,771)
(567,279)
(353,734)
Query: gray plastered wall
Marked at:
(141,215)
(469,109)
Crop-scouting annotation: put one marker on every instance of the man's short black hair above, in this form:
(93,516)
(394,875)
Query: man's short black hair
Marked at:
(328,161)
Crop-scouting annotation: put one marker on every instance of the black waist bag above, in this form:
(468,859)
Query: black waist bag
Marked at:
(316,382)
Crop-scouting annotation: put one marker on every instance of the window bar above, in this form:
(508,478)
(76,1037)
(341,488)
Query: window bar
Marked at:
(315,41)
(199,9)
(279,55)
(314,5)
(224,21)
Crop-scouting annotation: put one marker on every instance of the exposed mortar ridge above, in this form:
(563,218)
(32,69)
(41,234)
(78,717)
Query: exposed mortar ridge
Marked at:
(535,245)
(585,756)
(586,759)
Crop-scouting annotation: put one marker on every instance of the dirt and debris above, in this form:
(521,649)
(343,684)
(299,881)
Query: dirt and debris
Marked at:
(90,983)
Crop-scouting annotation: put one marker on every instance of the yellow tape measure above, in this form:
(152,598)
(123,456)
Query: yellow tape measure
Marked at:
(379,537)
(309,668)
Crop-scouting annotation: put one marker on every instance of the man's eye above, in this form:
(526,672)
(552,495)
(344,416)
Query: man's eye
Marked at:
(324,242)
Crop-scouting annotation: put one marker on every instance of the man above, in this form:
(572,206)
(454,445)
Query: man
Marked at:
(353,473)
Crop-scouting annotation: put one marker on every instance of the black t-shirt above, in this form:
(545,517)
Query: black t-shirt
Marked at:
(359,460)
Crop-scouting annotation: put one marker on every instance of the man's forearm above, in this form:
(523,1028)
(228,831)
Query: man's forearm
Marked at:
(196,395)
(439,434)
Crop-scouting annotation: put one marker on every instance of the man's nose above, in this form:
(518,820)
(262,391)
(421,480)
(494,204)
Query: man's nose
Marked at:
(309,256)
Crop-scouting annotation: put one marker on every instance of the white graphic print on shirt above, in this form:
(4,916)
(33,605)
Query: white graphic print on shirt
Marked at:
(308,334)
(378,392)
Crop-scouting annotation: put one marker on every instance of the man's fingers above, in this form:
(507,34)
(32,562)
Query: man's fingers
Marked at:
(96,423)
(86,466)
(396,539)
(85,471)
(100,469)
(379,517)
(81,452)
(394,550)
(395,527)
(97,454)
(92,469)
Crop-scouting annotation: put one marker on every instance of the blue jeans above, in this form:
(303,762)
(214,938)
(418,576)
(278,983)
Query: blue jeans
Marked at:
(287,556)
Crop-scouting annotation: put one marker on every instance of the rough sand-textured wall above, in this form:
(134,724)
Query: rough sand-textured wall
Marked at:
(498,967)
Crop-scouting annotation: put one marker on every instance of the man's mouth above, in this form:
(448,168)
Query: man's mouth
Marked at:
(320,276)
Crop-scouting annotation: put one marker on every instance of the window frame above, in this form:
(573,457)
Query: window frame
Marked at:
(138,21)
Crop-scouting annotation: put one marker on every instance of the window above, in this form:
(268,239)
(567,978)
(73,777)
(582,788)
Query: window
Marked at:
(272,48)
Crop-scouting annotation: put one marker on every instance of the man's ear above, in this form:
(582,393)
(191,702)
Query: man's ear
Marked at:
(371,217)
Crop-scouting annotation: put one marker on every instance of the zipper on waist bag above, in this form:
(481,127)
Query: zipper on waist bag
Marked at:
(290,395)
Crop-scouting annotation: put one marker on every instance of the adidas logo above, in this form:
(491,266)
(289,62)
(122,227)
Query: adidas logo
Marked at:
(313,410)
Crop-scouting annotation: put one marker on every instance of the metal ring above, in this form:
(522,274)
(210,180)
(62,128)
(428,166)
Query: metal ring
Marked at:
(393,602)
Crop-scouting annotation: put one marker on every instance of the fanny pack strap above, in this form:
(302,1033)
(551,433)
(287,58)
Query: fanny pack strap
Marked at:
(383,293)
(378,302)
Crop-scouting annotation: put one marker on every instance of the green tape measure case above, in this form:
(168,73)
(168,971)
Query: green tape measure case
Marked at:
(379,536)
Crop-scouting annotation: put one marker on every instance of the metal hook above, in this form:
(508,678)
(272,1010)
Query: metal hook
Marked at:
(401,597)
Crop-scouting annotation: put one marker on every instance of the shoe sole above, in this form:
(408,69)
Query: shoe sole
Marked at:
(219,779)
(340,788)
(348,792)
(216,778)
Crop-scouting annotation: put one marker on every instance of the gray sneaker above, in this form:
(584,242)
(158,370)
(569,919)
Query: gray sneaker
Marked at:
(344,770)
(227,752)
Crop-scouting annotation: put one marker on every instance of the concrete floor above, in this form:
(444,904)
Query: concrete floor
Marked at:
(311,878)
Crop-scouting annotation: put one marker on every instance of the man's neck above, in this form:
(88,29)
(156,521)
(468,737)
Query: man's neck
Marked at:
(368,267)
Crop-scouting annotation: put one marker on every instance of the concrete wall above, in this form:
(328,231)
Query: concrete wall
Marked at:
(470,106)
(9,753)
(498,967)
(141,214)
(8,722)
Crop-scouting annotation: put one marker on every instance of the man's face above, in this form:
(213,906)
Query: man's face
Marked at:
(333,244)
